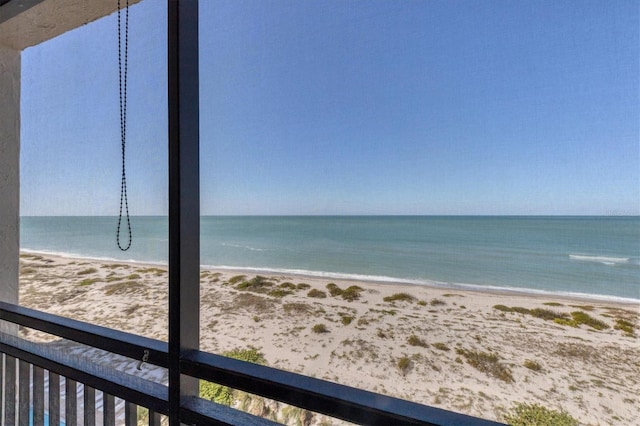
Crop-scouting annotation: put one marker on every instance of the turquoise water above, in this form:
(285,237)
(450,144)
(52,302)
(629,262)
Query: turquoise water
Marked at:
(584,255)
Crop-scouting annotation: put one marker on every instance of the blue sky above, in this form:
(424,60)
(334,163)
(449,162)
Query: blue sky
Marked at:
(350,107)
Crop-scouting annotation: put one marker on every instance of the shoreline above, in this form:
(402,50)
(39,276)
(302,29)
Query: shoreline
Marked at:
(371,279)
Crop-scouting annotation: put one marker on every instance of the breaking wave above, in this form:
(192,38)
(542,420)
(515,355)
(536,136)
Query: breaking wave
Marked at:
(605,260)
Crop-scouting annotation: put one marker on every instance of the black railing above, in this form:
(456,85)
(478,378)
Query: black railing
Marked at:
(331,399)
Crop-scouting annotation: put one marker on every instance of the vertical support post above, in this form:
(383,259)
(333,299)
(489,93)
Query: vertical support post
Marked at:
(9,390)
(130,414)
(108,410)
(9,177)
(24,391)
(38,396)
(89,409)
(184,197)
(54,398)
(70,402)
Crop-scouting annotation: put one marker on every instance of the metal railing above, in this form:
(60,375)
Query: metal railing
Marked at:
(29,369)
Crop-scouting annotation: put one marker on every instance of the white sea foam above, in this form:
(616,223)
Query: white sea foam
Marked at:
(71,255)
(243,247)
(605,260)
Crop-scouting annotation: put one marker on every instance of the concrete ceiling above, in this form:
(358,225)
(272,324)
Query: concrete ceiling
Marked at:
(25,23)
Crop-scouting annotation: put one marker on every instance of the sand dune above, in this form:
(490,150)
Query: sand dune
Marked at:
(471,352)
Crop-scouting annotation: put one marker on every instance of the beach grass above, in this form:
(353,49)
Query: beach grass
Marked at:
(237,279)
(523,414)
(414,340)
(401,297)
(487,363)
(532,365)
(89,281)
(441,346)
(318,294)
(403,364)
(626,326)
(320,328)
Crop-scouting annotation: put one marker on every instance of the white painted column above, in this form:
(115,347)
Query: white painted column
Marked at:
(9,173)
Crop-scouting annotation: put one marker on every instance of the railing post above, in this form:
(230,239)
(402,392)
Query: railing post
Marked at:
(70,404)
(184,197)
(9,390)
(38,396)
(24,387)
(89,406)
(54,398)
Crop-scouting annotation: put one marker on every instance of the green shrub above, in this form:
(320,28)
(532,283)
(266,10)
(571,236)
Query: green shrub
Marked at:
(624,325)
(320,328)
(565,321)
(303,286)
(346,319)
(237,278)
(318,294)
(552,304)
(578,318)
(584,307)
(216,393)
(441,346)
(352,293)
(487,363)
(414,340)
(89,281)
(334,290)
(403,364)
(402,297)
(532,365)
(249,354)
(437,302)
(546,314)
(422,303)
(155,271)
(502,308)
(258,284)
(278,292)
(222,394)
(88,271)
(584,318)
(537,415)
(288,285)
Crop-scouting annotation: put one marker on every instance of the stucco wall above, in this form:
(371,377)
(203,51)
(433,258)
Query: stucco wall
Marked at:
(9,173)
(50,18)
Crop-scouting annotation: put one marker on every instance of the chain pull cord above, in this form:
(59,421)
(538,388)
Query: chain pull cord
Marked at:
(122,80)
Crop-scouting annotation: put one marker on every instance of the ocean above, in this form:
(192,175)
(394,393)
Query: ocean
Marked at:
(591,256)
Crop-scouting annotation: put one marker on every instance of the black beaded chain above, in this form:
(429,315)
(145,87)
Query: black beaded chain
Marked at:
(122,78)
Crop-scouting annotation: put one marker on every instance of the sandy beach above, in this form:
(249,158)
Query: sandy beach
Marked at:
(472,352)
